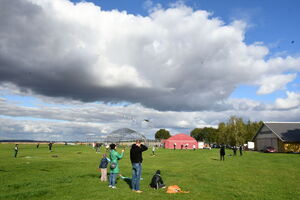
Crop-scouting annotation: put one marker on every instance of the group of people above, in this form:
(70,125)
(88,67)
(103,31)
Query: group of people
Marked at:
(114,157)
(222,151)
(184,145)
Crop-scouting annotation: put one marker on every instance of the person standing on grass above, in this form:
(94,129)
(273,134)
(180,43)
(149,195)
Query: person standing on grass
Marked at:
(174,146)
(103,167)
(222,153)
(136,161)
(241,150)
(153,150)
(114,165)
(234,150)
(194,147)
(16,150)
(50,146)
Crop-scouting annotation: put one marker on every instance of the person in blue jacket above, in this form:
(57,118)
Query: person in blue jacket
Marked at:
(103,167)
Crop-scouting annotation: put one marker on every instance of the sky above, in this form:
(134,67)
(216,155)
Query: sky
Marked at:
(72,70)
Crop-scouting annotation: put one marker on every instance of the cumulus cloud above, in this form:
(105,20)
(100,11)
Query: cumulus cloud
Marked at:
(174,59)
(292,101)
(269,84)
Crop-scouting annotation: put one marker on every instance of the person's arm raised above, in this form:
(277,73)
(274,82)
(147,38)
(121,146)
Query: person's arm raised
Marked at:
(144,147)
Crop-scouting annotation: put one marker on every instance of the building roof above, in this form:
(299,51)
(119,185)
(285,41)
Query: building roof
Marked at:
(285,131)
(181,136)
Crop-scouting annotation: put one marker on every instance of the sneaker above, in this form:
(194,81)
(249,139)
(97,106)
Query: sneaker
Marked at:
(113,187)
(138,191)
(110,186)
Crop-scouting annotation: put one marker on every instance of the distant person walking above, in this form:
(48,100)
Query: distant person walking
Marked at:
(38,145)
(174,146)
(241,150)
(194,147)
(97,146)
(114,165)
(103,167)
(16,150)
(222,153)
(153,150)
(234,150)
(136,161)
(181,146)
(50,146)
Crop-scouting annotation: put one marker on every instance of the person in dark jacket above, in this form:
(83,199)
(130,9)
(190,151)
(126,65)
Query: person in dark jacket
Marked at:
(234,150)
(157,181)
(16,150)
(241,150)
(103,167)
(222,153)
(136,161)
(50,146)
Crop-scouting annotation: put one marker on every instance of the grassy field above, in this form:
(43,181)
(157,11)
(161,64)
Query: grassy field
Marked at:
(70,172)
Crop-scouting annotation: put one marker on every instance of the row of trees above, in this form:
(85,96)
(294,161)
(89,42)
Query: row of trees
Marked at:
(234,132)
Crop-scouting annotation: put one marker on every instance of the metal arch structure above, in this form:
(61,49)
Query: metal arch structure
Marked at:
(125,135)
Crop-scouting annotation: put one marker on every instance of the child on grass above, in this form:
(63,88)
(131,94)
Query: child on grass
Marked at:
(103,167)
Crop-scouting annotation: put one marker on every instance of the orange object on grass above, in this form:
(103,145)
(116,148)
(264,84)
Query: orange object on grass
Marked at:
(175,189)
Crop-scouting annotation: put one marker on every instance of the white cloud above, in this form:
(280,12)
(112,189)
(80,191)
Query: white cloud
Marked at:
(174,59)
(292,101)
(272,83)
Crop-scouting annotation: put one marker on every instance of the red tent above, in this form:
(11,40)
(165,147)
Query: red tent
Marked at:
(180,141)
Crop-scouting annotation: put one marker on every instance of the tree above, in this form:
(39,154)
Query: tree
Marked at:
(197,134)
(206,134)
(162,134)
(210,134)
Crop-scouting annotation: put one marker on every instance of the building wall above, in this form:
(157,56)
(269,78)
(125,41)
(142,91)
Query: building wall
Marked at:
(170,144)
(291,147)
(280,146)
(266,138)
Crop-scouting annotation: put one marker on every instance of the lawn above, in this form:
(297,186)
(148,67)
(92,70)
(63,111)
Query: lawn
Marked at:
(70,172)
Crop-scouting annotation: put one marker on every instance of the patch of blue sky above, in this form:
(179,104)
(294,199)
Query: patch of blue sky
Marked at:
(27,101)
(249,92)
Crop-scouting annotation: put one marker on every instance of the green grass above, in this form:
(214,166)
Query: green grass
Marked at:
(70,172)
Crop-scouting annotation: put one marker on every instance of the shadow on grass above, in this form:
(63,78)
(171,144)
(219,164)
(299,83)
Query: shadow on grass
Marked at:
(127,180)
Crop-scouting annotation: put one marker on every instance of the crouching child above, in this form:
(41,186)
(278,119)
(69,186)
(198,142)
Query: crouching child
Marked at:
(157,181)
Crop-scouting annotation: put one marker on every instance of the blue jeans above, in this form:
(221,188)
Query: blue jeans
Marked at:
(112,179)
(136,176)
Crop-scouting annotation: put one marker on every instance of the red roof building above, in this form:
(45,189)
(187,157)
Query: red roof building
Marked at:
(180,141)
